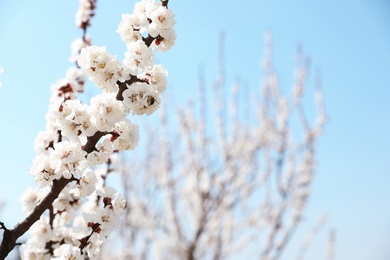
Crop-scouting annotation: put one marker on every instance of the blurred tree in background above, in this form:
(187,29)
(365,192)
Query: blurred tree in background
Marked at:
(226,175)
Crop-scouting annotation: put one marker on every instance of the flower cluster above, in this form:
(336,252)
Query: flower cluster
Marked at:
(85,13)
(151,18)
(63,237)
(137,80)
(80,137)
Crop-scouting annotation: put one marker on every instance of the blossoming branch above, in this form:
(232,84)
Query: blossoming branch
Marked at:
(79,137)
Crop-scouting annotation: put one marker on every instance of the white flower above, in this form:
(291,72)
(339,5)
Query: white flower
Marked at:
(88,181)
(101,67)
(31,197)
(140,99)
(43,170)
(64,218)
(42,229)
(83,13)
(127,25)
(63,89)
(61,203)
(51,120)
(158,78)
(94,247)
(74,120)
(128,135)
(138,57)
(103,151)
(34,249)
(146,7)
(107,219)
(44,142)
(106,192)
(165,41)
(76,47)
(68,158)
(162,18)
(86,184)
(119,204)
(81,231)
(68,252)
(105,111)
(77,77)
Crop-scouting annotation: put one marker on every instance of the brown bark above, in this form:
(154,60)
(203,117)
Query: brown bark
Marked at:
(11,235)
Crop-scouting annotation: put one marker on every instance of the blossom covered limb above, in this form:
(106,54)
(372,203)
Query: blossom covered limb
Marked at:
(79,137)
(10,236)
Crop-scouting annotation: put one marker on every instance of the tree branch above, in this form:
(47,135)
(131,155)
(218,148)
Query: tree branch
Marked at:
(84,241)
(10,236)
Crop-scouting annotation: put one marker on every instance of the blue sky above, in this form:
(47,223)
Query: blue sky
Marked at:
(348,41)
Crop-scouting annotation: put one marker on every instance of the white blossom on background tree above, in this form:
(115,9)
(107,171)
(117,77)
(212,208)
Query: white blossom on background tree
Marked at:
(72,212)
(228,185)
